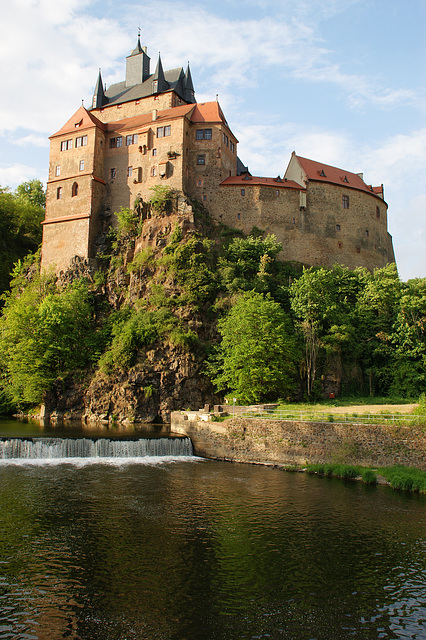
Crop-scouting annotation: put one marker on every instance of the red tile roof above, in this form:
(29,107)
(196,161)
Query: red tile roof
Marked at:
(243,181)
(145,119)
(82,119)
(208,112)
(320,172)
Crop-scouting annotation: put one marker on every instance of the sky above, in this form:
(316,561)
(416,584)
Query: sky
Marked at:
(338,81)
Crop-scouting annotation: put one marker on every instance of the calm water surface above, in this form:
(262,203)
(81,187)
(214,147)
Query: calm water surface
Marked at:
(204,550)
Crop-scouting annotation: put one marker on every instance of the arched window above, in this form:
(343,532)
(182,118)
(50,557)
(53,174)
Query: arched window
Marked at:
(74,191)
(59,193)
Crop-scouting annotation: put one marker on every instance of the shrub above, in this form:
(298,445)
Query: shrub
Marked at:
(368,476)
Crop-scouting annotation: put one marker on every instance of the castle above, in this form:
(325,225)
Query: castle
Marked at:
(149,130)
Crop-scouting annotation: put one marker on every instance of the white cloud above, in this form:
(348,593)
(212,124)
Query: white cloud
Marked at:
(13,175)
(32,139)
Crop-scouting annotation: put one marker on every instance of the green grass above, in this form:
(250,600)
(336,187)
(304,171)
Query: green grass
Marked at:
(400,478)
(405,478)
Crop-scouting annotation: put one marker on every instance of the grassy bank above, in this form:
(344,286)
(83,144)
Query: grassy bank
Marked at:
(398,477)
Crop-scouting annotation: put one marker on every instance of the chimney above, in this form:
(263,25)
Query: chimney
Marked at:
(154,114)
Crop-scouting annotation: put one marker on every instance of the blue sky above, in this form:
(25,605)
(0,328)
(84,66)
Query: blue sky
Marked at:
(342,82)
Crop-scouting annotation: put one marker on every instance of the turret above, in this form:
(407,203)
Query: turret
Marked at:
(158,80)
(188,87)
(99,97)
(137,65)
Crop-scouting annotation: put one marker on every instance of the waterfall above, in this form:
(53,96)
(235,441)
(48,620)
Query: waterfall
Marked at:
(47,448)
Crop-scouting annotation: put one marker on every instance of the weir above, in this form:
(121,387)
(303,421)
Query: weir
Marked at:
(47,448)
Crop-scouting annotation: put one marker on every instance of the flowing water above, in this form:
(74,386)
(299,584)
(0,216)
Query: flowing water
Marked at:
(178,548)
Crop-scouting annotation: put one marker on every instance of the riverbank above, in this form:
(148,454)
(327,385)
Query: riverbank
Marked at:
(297,443)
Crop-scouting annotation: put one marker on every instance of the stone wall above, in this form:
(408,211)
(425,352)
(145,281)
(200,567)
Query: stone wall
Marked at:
(298,443)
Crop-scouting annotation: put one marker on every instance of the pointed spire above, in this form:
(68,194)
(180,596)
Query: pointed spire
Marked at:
(188,87)
(138,46)
(99,97)
(159,83)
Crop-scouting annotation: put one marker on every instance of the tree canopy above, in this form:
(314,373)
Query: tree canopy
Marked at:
(257,356)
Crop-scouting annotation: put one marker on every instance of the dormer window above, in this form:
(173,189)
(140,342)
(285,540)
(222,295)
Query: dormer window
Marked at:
(155,86)
(78,124)
(322,174)
(345,179)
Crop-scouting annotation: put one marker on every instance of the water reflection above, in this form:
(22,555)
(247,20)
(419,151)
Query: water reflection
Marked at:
(206,550)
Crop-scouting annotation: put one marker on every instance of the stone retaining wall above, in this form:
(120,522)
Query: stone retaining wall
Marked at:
(298,443)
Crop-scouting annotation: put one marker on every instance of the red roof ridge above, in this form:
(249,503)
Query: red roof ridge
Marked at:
(82,119)
(259,180)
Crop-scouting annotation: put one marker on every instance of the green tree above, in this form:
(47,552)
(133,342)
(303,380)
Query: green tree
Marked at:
(32,191)
(323,302)
(256,358)
(250,264)
(408,340)
(20,229)
(376,312)
(44,334)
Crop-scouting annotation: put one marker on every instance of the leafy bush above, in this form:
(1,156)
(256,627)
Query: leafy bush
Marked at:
(161,199)
(369,476)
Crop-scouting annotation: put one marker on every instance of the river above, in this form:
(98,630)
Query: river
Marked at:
(180,548)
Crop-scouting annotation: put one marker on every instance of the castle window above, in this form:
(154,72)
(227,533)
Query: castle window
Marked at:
(277,192)
(59,193)
(115,142)
(232,147)
(239,216)
(340,245)
(378,213)
(200,182)
(204,198)
(131,139)
(345,202)
(201,159)
(203,134)
(243,192)
(81,165)
(74,190)
(81,141)
(163,132)
(358,249)
(129,172)
(66,144)
(337,227)
(294,220)
(58,171)
(78,124)
(225,139)
(366,233)
(154,152)
(153,171)
(112,174)
(155,86)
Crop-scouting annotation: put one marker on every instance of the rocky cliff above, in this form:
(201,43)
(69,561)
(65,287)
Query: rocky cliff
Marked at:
(141,272)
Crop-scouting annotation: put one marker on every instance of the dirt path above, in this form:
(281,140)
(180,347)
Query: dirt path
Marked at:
(373,408)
